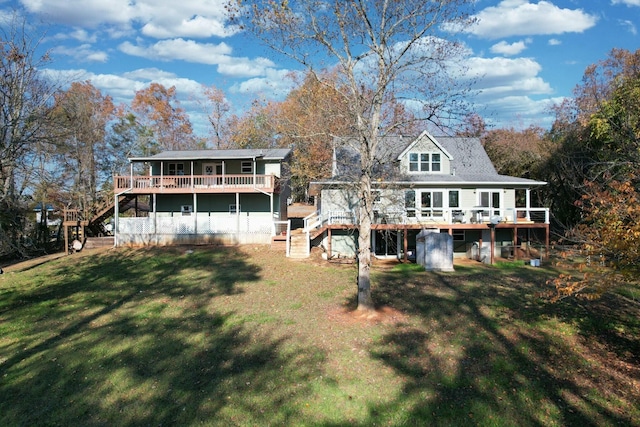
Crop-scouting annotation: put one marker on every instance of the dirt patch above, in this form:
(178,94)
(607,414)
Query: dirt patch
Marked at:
(347,316)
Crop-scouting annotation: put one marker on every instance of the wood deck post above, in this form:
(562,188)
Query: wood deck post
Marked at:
(406,243)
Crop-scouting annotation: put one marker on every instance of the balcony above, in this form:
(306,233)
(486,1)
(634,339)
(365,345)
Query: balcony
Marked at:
(475,217)
(205,184)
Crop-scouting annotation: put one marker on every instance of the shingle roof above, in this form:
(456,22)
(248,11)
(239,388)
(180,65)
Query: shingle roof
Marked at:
(470,163)
(266,154)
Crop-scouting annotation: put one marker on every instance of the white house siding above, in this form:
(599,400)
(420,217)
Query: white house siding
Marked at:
(425,145)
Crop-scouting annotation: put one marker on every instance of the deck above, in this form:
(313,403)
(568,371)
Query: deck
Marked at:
(207,184)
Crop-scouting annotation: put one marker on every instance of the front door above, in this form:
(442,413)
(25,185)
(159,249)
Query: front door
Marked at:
(213,169)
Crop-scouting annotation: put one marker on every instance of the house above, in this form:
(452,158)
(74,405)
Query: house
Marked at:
(447,184)
(203,196)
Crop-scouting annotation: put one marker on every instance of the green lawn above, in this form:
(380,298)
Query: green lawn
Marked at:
(245,336)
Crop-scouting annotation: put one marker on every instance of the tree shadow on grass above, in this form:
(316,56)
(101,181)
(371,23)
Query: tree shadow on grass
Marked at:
(133,341)
(485,353)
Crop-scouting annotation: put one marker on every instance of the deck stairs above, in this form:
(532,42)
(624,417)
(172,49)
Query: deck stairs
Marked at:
(104,211)
(300,239)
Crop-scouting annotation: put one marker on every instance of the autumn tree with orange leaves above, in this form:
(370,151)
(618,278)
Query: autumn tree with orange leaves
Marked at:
(158,110)
(82,114)
(608,110)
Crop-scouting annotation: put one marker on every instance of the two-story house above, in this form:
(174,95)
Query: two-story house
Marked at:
(204,196)
(447,183)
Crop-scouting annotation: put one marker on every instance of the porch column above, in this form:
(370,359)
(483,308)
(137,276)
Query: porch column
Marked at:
(195,210)
(116,223)
(528,203)
(237,217)
(406,243)
(515,242)
(155,216)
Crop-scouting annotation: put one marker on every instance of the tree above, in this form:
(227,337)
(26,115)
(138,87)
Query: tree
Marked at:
(517,153)
(604,143)
(384,51)
(218,110)
(82,114)
(25,98)
(609,237)
(255,128)
(158,109)
(306,121)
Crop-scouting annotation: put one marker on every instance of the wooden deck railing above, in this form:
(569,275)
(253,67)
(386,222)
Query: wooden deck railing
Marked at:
(195,183)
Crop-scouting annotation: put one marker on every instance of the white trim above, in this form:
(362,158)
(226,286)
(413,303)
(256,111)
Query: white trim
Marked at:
(419,138)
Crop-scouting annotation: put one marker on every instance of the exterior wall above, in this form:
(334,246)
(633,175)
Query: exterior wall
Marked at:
(339,200)
(343,242)
(425,145)
(168,203)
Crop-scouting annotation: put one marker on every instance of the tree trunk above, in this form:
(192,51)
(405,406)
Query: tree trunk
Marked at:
(365,302)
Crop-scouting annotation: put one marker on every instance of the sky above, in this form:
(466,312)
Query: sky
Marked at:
(530,54)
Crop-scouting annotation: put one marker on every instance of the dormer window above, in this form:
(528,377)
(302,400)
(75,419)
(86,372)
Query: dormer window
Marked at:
(424,162)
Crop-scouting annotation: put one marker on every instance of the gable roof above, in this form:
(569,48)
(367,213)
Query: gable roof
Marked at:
(237,154)
(419,138)
(470,163)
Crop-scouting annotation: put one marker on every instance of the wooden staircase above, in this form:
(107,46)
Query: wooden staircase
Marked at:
(299,244)
(103,212)
(89,229)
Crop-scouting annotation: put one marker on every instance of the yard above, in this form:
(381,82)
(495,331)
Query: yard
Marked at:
(245,336)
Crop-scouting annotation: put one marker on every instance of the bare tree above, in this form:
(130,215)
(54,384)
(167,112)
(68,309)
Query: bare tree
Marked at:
(218,110)
(385,51)
(24,105)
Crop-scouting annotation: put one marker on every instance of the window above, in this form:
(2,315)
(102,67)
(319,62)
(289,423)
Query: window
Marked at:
(431,203)
(454,199)
(246,167)
(410,203)
(175,168)
(435,162)
(424,162)
(490,199)
(413,162)
(458,235)
(235,209)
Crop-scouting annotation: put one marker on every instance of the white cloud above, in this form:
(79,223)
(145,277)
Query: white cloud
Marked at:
(178,49)
(505,76)
(202,53)
(122,88)
(508,49)
(629,25)
(77,34)
(83,13)
(198,26)
(554,42)
(520,17)
(519,112)
(275,84)
(82,53)
(158,18)
(627,2)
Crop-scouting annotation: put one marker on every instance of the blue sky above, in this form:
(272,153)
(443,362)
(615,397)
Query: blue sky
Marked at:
(530,53)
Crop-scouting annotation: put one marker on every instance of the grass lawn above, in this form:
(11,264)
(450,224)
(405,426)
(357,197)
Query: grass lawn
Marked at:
(245,336)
